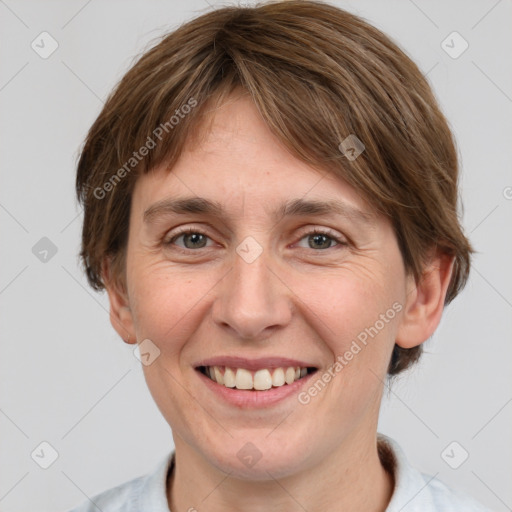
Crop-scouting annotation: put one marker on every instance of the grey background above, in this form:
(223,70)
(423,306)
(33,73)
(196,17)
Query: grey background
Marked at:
(66,377)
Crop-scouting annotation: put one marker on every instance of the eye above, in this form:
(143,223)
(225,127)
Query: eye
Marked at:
(192,239)
(319,239)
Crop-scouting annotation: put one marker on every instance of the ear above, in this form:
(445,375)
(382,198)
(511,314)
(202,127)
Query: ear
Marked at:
(121,316)
(425,301)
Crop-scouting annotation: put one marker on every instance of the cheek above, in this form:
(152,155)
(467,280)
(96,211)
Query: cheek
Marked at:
(168,303)
(345,302)
(169,308)
(356,315)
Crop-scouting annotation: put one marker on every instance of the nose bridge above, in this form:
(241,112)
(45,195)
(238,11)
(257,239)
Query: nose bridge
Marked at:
(252,299)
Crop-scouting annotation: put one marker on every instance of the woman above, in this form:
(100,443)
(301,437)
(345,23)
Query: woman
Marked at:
(270,201)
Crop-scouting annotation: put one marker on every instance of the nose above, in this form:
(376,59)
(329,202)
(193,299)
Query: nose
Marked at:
(253,301)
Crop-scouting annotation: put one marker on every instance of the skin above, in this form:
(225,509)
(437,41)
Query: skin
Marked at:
(294,300)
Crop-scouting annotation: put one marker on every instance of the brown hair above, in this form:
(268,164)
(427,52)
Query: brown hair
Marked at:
(317,74)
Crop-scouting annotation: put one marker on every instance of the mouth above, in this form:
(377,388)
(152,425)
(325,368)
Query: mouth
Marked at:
(262,379)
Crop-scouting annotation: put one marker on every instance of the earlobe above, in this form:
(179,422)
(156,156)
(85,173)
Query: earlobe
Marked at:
(121,316)
(425,302)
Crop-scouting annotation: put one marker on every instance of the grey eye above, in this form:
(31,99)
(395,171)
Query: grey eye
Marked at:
(194,240)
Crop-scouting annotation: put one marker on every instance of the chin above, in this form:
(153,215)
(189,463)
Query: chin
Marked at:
(260,459)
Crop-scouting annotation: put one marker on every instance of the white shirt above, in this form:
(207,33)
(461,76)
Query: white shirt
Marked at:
(413,492)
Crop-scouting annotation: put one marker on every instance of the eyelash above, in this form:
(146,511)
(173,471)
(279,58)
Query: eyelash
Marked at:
(315,231)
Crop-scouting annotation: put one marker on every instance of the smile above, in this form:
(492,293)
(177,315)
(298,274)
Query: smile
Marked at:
(255,380)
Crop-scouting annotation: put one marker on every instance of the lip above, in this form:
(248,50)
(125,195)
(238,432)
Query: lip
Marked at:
(252,399)
(253,364)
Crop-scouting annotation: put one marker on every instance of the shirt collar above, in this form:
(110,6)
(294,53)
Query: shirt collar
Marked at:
(153,495)
(409,492)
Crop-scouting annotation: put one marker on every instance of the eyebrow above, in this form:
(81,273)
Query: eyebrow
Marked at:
(291,208)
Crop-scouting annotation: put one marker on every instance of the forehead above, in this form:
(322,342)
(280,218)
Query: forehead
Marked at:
(235,160)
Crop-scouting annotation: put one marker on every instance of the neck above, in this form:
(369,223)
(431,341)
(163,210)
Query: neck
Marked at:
(348,479)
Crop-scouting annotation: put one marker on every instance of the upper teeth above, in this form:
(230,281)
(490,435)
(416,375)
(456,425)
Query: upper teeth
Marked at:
(241,378)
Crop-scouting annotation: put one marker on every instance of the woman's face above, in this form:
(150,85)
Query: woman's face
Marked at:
(249,288)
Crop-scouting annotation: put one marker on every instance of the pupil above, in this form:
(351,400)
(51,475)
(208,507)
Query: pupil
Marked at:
(318,239)
(194,239)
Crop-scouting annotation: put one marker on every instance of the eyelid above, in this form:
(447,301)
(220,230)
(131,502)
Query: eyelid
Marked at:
(311,230)
(203,228)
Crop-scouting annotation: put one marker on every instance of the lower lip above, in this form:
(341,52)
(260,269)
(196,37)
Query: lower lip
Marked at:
(254,399)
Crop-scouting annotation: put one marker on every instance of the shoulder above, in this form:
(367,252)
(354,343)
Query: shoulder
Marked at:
(447,499)
(417,492)
(146,492)
(122,498)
